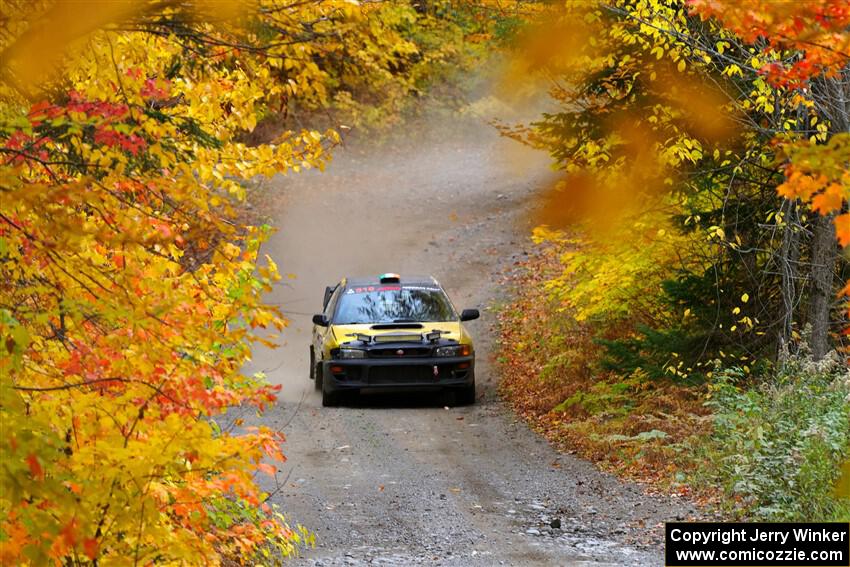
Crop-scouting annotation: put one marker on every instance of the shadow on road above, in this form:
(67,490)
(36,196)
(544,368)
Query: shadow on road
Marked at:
(397,400)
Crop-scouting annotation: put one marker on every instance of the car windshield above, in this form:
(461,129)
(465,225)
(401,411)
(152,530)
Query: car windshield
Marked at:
(393,304)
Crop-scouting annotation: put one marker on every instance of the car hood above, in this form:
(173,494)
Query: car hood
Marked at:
(451,329)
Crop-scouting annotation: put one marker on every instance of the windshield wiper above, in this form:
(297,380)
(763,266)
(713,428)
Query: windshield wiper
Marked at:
(406,321)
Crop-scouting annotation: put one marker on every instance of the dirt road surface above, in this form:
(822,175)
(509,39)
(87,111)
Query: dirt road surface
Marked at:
(403,480)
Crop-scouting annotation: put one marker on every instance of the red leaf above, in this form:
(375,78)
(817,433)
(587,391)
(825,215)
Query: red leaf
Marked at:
(35,467)
(69,533)
(267,468)
(90,548)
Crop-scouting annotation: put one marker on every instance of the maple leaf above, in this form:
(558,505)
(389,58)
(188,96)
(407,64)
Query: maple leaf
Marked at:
(842,229)
(829,200)
(91,547)
(270,470)
(36,470)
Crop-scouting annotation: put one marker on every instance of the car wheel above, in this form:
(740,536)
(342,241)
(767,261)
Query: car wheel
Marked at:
(331,399)
(465,396)
(317,370)
(312,364)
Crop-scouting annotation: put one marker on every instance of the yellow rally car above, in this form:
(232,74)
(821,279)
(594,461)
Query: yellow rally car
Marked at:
(391,332)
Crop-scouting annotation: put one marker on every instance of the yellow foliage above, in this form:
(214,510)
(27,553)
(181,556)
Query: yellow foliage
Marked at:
(130,290)
(616,275)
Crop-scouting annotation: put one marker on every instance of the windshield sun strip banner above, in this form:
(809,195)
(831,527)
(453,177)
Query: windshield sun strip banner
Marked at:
(374,288)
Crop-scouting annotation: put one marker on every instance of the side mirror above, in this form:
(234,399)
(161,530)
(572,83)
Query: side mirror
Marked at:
(469,314)
(320,320)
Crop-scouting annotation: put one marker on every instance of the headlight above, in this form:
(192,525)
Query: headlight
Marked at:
(454,350)
(351,353)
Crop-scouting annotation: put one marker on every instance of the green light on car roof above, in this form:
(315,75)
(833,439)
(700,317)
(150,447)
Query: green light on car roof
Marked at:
(389,278)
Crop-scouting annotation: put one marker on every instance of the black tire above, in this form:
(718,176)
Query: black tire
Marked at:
(465,396)
(319,382)
(312,364)
(331,399)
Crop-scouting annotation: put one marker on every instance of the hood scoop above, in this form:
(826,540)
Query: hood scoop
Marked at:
(384,326)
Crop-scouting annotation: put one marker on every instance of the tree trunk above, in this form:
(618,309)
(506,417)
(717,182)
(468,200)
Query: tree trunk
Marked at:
(832,98)
(789,260)
(824,256)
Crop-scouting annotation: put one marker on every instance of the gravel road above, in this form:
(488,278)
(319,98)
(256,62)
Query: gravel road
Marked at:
(405,480)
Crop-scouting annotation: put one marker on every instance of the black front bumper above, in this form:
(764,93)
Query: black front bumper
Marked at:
(398,373)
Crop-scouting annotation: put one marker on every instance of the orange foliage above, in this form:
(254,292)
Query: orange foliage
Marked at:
(815,29)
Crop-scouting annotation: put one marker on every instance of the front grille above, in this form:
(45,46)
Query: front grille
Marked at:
(394,352)
(404,374)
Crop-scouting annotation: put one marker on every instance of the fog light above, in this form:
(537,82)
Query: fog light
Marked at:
(337,369)
(463,365)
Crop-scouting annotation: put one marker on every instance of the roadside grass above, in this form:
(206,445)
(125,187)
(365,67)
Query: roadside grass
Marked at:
(778,446)
(768,448)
